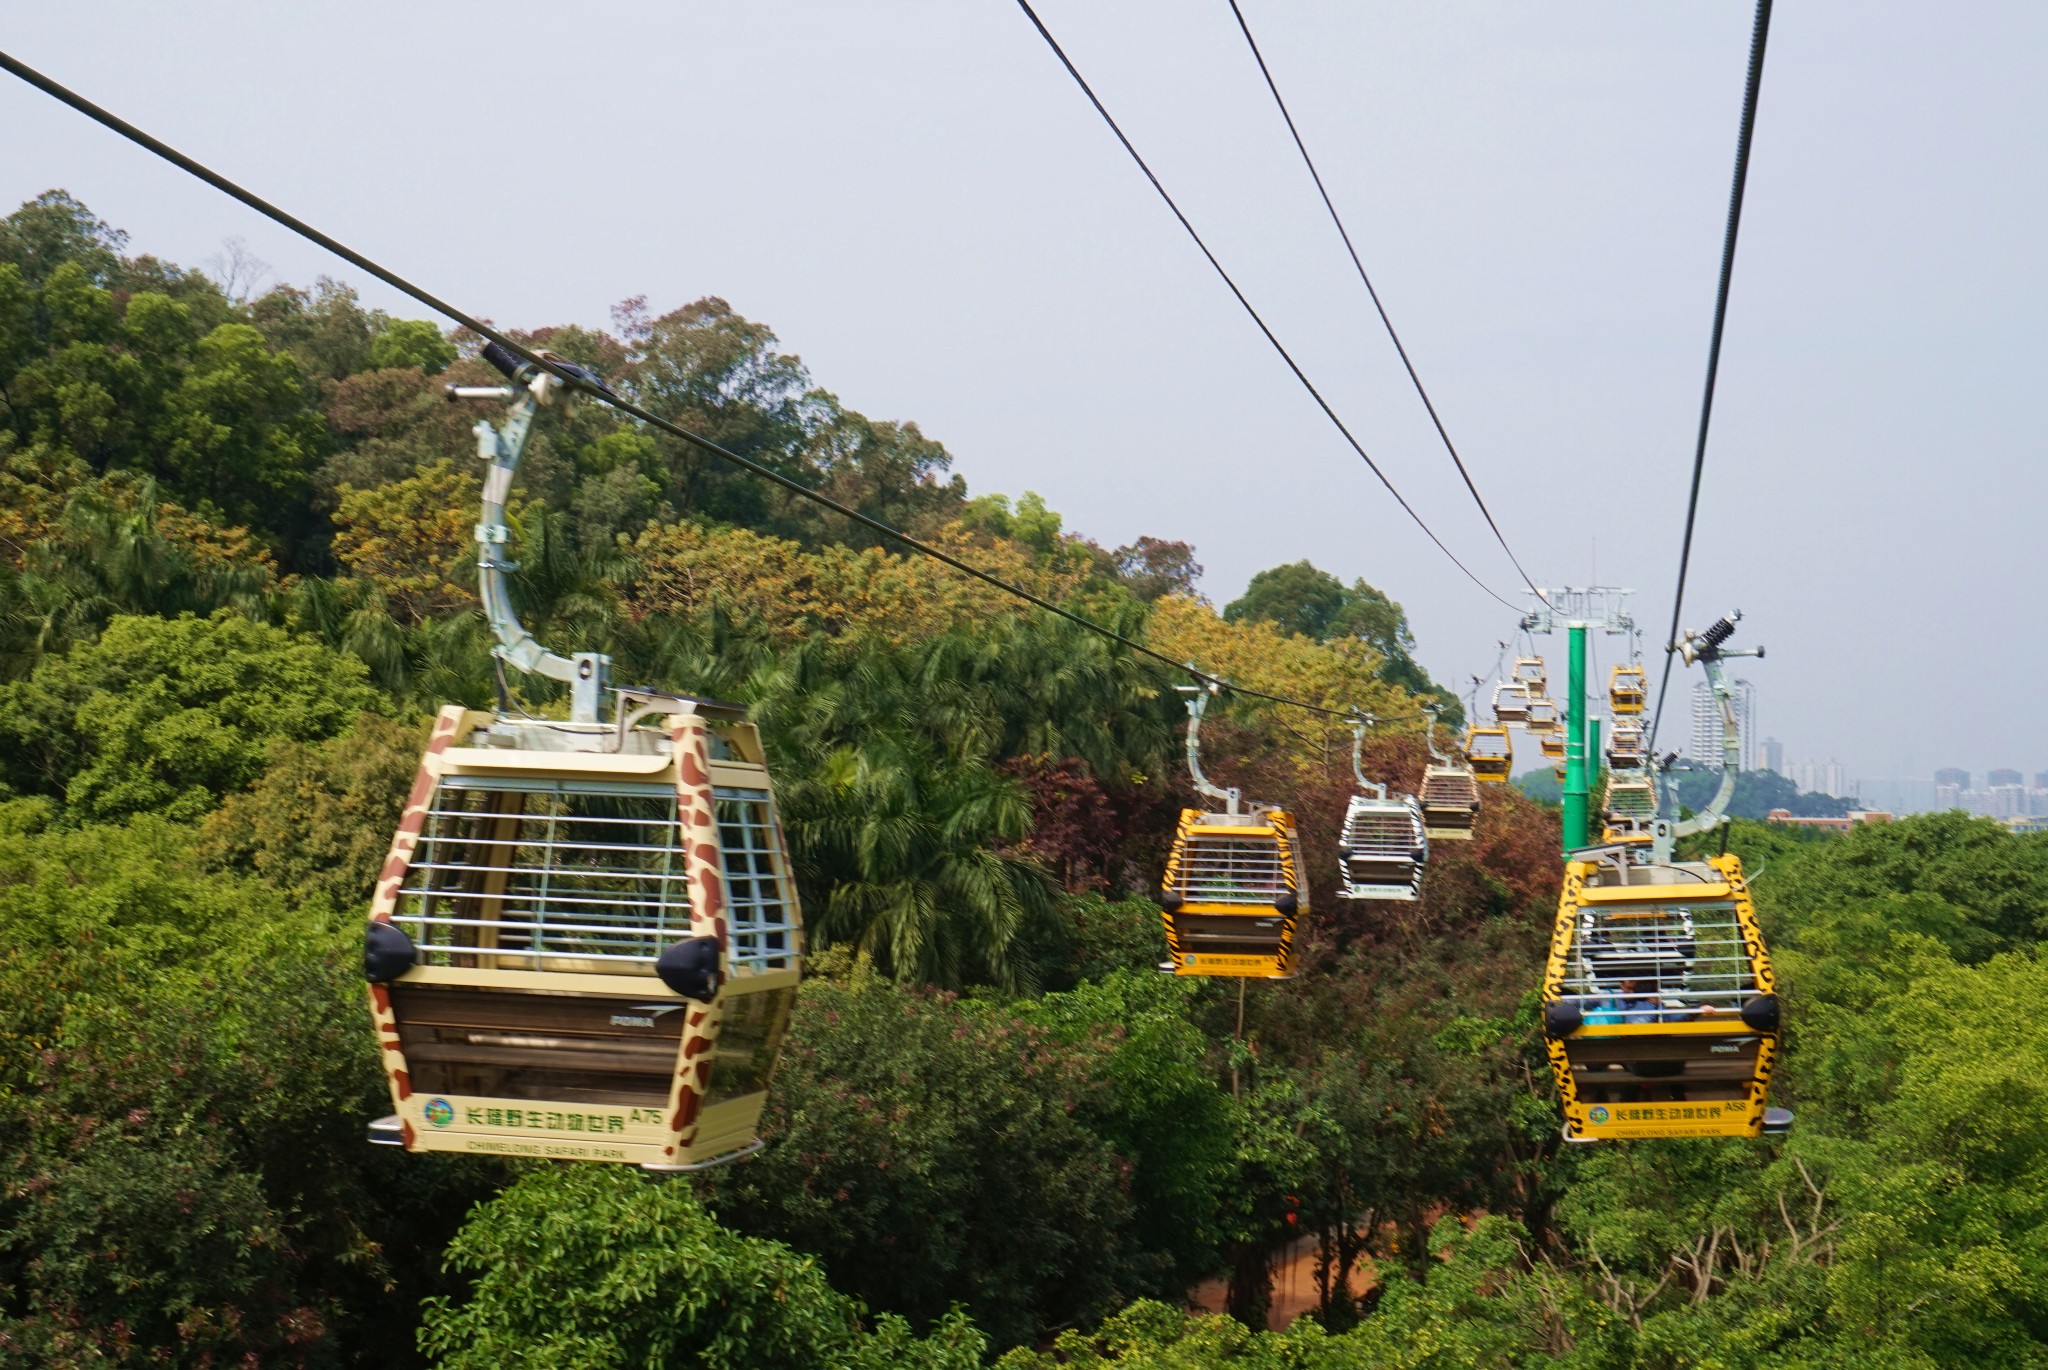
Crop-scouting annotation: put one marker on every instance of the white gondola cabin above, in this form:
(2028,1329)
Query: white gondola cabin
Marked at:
(1542,719)
(1384,846)
(1383,849)
(585,943)
(1627,745)
(1510,702)
(1660,1011)
(1532,676)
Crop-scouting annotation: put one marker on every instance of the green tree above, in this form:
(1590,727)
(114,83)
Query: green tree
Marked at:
(169,715)
(411,342)
(318,822)
(53,229)
(930,1152)
(1305,599)
(237,429)
(184,1074)
(596,1268)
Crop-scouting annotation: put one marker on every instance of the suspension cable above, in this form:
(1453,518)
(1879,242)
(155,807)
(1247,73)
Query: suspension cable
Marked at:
(1249,308)
(1759,36)
(1378,307)
(579,382)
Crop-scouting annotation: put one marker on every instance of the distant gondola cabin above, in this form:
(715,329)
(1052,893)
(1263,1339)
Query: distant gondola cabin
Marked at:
(1232,894)
(1661,1015)
(1450,802)
(585,943)
(1382,849)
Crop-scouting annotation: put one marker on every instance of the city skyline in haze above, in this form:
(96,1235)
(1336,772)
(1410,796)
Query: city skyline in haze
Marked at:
(923,207)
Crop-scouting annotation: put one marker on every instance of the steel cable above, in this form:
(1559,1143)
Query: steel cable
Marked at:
(1759,36)
(1249,308)
(1381,309)
(581,384)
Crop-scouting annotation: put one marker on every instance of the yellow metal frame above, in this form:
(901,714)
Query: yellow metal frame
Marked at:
(1585,1121)
(1275,823)
(1490,770)
(1624,699)
(688,1130)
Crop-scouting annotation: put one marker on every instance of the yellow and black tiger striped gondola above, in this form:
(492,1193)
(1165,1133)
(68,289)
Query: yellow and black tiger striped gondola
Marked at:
(585,942)
(1232,895)
(1660,1011)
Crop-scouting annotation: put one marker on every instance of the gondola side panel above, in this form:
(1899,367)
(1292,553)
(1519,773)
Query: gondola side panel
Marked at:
(1730,867)
(697,815)
(448,725)
(1283,824)
(1575,873)
(1171,880)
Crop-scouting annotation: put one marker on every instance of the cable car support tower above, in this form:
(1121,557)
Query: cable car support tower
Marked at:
(1578,610)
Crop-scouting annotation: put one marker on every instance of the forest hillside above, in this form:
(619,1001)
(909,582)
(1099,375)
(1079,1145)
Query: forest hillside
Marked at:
(235,582)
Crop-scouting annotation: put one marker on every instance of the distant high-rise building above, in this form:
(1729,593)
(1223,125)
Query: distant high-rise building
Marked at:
(1897,796)
(2041,780)
(1771,756)
(1952,776)
(1819,777)
(2003,777)
(1705,746)
(1947,795)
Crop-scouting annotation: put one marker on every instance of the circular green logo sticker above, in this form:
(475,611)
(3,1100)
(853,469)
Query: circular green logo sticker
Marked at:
(440,1112)
(1598,1115)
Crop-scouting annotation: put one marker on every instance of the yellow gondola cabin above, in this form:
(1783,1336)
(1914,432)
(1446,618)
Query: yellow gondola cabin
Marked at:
(1660,1011)
(1232,894)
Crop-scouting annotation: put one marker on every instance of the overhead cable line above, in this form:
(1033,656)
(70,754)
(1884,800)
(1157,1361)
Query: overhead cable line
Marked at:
(1759,36)
(1378,307)
(580,382)
(1249,308)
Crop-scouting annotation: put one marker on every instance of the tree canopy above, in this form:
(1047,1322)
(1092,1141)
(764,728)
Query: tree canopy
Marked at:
(234,565)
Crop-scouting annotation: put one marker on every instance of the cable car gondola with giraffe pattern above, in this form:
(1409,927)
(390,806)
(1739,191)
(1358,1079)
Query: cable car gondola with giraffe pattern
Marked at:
(585,942)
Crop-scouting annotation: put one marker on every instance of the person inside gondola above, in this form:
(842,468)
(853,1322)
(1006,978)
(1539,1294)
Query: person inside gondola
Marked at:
(1634,1004)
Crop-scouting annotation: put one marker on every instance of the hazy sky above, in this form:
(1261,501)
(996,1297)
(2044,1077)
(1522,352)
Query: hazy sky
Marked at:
(921,204)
